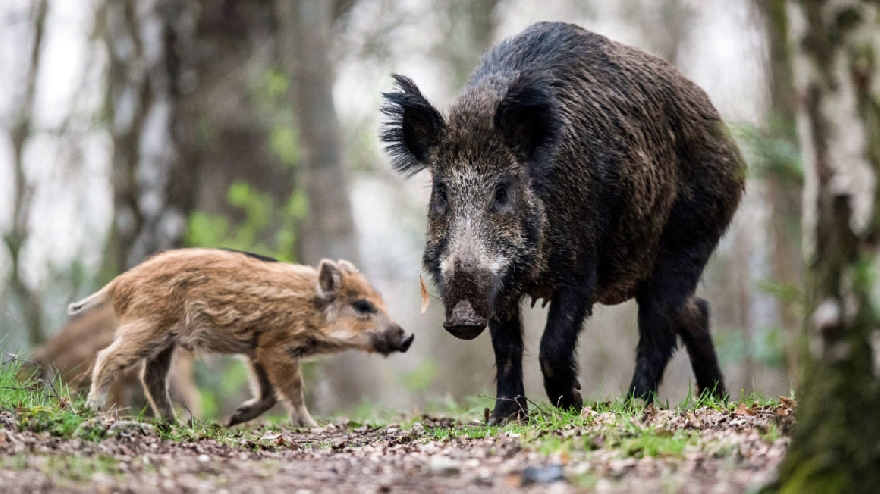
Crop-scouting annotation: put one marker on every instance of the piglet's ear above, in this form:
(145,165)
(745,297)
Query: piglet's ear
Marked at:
(329,278)
(528,118)
(346,267)
(412,128)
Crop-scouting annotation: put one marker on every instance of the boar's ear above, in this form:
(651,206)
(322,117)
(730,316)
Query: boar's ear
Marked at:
(412,128)
(528,118)
(329,278)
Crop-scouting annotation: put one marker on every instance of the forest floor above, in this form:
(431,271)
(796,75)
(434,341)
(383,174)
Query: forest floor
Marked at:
(49,443)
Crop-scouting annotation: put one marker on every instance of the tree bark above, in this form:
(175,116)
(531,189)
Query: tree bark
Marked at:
(228,120)
(328,230)
(150,46)
(835,441)
(782,190)
(28,300)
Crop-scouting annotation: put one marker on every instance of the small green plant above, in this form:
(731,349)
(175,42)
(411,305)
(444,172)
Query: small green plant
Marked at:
(38,405)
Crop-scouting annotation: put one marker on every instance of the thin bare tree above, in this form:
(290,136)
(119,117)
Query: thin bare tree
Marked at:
(27,299)
(150,46)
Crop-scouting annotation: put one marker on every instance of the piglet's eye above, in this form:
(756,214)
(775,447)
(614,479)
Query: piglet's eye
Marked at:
(364,307)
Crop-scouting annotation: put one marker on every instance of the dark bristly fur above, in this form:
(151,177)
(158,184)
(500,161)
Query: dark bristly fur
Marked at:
(576,170)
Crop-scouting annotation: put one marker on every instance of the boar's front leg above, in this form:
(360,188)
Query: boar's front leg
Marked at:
(507,341)
(568,309)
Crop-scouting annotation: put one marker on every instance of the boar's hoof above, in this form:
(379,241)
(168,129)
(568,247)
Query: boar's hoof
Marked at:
(463,322)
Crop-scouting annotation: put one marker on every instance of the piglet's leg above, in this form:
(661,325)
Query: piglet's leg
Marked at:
(130,347)
(284,374)
(154,377)
(264,400)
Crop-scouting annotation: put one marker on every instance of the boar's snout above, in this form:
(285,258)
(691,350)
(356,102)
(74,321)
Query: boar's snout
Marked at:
(392,340)
(467,302)
(463,322)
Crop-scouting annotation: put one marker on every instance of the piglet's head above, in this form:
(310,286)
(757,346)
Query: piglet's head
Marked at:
(354,312)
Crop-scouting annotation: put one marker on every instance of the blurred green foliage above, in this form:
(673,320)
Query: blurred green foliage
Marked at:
(421,377)
(267,228)
(771,150)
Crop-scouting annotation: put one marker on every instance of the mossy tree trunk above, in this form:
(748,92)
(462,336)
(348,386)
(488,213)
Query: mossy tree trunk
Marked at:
(836,442)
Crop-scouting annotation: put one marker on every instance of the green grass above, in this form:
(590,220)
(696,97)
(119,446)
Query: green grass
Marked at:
(40,406)
(613,425)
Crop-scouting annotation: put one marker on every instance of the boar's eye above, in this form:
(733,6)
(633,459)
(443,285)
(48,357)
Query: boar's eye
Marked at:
(364,307)
(501,196)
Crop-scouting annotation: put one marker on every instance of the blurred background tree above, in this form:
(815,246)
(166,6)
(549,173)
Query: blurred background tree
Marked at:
(127,127)
(835,441)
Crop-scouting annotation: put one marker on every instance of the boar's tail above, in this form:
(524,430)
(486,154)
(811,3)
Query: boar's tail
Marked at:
(93,300)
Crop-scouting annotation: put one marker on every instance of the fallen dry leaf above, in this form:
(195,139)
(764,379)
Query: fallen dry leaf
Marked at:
(788,402)
(426,299)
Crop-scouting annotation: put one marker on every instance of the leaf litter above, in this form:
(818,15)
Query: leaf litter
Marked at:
(704,449)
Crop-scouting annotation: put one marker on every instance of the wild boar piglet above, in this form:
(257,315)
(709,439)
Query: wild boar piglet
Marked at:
(230,302)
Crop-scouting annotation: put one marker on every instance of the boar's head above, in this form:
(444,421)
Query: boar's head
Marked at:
(355,314)
(485,217)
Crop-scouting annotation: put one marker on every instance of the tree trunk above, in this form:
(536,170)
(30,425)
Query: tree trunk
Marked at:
(150,45)
(782,190)
(835,442)
(469,31)
(27,299)
(229,119)
(328,230)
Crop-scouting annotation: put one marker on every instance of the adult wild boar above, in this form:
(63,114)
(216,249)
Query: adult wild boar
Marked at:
(576,170)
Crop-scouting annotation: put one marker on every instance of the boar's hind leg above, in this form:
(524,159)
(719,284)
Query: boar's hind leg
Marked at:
(694,333)
(666,309)
(154,377)
(568,309)
(264,399)
(507,341)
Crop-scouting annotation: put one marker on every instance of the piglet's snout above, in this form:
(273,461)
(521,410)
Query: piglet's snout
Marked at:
(394,339)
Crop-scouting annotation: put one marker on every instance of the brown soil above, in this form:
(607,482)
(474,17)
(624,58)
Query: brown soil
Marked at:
(734,451)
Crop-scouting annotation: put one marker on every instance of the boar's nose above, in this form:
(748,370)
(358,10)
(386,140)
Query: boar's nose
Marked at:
(463,322)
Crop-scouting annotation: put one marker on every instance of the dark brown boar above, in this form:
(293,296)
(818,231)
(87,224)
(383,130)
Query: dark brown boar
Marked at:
(231,302)
(576,170)
(70,353)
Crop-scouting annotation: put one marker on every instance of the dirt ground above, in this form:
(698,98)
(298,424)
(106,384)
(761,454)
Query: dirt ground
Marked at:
(702,450)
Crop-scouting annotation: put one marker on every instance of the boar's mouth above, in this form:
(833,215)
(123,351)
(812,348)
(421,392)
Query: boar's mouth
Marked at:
(463,322)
